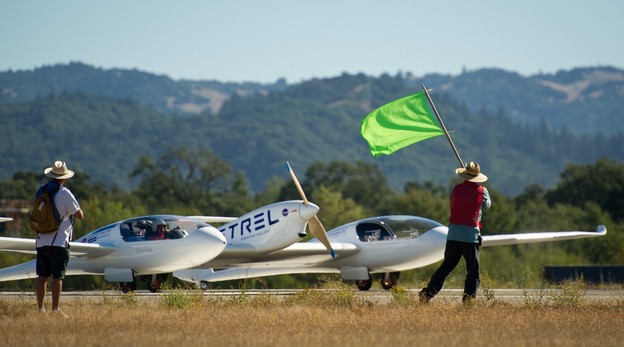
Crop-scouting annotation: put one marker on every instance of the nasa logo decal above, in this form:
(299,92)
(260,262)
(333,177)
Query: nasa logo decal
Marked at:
(285,212)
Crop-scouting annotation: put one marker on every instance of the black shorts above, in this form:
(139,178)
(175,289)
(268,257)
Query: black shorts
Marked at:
(52,261)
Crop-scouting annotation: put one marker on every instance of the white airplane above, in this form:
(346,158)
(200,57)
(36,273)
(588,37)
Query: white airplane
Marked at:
(379,245)
(122,250)
(382,246)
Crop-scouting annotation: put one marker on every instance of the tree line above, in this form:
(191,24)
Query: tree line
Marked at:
(198,182)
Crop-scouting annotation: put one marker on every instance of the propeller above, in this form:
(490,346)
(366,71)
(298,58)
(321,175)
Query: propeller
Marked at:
(315,225)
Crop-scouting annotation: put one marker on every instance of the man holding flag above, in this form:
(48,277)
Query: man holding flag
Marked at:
(409,120)
(464,237)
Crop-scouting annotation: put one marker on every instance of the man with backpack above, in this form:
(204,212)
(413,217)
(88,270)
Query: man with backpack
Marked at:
(53,243)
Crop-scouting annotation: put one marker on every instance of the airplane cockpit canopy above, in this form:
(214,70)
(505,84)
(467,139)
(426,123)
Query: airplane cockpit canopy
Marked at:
(145,228)
(392,227)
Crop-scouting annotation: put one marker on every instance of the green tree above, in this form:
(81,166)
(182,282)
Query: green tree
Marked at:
(426,201)
(188,181)
(602,183)
(336,210)
(361,182)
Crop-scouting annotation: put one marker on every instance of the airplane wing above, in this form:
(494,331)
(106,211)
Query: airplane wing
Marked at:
(310,251)
(77,249)
(209,275)
(301,257)
(515,239)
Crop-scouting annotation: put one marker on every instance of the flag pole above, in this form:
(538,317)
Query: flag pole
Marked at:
(448,137)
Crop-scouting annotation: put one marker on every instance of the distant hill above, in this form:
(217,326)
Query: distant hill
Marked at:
(101,121)
(158,91)
(583,100)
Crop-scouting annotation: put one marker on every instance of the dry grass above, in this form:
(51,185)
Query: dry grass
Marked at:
(314,318)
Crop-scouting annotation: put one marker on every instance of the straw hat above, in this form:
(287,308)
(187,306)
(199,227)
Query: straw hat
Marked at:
(472,173)
(59,171)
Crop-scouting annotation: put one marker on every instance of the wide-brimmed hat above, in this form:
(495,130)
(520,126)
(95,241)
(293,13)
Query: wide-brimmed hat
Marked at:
(59,171)
(472,173)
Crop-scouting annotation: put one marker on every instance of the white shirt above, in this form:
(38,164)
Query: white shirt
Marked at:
(67,205)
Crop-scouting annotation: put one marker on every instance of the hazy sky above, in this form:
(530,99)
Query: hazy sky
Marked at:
(263,40)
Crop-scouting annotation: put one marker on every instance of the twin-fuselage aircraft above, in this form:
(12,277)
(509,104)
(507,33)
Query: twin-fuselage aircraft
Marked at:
(374,247)
(263,242)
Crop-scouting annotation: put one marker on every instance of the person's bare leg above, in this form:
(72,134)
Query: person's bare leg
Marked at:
(41,289)
(57,286)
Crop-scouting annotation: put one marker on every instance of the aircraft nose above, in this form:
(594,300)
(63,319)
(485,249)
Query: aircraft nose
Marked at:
(211,242)
(307,211)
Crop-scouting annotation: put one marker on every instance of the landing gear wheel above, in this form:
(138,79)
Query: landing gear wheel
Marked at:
(203,285)
(364,285)
(127,286)
(389,280)
(155,281)
(153,286)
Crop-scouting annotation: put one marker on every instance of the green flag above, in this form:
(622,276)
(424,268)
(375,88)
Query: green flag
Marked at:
(400,123)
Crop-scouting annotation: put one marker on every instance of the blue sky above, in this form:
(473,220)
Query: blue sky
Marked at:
(262,41)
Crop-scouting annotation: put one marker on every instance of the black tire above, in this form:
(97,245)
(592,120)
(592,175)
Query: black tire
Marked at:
(364,285)
(154,286)
(127,286)
(203,285)
(388,282)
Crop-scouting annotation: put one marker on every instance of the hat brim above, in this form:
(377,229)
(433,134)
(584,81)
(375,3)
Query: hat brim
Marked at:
(461,172)
(48,172)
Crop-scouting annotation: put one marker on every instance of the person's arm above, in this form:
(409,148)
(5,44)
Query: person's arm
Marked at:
(487,201)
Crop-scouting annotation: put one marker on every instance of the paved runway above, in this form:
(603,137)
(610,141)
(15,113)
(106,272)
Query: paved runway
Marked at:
(378,296)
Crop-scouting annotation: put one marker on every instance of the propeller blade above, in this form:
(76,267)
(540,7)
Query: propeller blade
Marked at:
(317,229)
(315,225)
(297,184)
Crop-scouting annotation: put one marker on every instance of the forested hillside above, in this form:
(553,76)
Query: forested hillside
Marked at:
(582,101)
(318,120)
(158,91)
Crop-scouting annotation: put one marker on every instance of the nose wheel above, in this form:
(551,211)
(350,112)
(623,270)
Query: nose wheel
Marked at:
(364,285)
(389,280)
(127,286)
(154,282)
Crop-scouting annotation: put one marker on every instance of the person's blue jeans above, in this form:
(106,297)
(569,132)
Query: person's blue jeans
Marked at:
(454,251)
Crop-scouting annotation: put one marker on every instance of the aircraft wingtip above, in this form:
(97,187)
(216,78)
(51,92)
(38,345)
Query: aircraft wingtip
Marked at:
(601,229)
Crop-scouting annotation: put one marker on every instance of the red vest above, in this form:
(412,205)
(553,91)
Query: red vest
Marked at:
(466,199)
